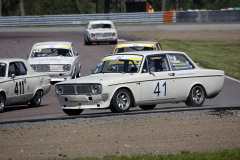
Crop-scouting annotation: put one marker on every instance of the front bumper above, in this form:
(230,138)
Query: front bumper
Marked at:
(60,76)
(83,101)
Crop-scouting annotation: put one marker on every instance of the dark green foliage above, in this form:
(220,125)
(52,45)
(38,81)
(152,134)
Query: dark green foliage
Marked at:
(51,7)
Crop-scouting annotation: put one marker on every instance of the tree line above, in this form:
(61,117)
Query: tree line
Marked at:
(53,7)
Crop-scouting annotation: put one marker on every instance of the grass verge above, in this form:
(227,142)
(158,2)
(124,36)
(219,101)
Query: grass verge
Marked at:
(233,154)
(210,54)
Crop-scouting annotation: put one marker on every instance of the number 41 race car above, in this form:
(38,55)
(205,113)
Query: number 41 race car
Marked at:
(142,79)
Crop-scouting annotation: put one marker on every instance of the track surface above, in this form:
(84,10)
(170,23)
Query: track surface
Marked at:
(17,43)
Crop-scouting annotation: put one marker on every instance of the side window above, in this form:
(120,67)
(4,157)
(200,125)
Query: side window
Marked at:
(17,68)
(22,68)
(13,70)
(156,63)
(179,62)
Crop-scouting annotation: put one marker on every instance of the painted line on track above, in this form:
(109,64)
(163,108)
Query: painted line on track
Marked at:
(236,80)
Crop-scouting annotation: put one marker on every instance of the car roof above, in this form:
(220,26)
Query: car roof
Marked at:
(136,42)
(53,43)
(146,53)
(8,60)
(101,21)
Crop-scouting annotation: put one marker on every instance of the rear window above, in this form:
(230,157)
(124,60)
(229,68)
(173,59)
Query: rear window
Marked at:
(180,62)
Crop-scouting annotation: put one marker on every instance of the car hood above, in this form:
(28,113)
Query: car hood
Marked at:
(104,79)
(51,60)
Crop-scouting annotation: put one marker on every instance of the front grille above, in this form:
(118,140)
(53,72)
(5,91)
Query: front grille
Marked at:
(84,89)
(48,68)
(42,68)
(76,89)
(69,90)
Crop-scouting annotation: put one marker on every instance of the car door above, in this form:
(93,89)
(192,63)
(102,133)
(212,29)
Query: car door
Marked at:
(157,80)
(17,84)
(183,73)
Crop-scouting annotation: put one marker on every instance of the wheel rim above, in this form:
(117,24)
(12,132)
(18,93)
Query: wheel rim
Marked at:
(123,100)
(197,94)
(1,103)
(37,98)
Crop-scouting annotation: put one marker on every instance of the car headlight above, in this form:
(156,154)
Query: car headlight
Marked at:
(66,67)
(96,89)
(34,67)
(59,90)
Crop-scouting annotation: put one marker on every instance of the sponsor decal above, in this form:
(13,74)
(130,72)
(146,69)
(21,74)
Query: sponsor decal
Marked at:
(185,74)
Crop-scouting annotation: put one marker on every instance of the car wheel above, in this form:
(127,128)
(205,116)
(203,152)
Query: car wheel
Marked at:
(78,74)
(2,103)
(121,101)
(72,112)
(89,42)
(147,107)
(196,96)
(74,73)
(36,101)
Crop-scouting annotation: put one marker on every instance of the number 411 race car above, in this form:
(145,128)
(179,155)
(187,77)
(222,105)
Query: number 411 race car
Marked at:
(19,84)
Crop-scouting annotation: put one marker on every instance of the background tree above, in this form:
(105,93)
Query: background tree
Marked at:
(52,7)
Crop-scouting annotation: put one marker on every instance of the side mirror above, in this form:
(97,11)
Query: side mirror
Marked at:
(13,76)
(28,56)
(77,54)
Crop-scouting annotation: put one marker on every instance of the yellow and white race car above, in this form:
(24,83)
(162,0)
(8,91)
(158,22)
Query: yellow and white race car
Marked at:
(131,46)
(58,59)
(20,84)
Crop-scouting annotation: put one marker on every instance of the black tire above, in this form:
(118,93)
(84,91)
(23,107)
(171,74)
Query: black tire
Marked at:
(121,102)
(36,101)
(2,103)
(113,42)
(87,42)
(147,107)
(196,96)
(72,112)
(74,74)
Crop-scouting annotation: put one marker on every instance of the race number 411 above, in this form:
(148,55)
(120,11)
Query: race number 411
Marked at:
(159,89)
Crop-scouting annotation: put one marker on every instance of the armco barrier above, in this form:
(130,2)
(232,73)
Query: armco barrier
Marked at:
(208,16)
(123,18)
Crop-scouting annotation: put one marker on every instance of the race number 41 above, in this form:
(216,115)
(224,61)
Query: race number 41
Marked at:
(159,89)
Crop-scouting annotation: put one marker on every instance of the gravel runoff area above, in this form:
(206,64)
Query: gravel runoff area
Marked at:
(157,133)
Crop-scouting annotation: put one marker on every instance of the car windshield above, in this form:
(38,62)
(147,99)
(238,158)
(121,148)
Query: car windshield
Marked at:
(3,67)
(119,64)
(100,26)
(51,52)
(135,48)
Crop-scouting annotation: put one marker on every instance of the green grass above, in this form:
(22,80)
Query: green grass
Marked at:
(210,54)
(233,154)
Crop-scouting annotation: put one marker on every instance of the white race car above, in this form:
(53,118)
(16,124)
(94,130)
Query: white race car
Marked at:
(144,79)
(100,31)
(59,59)
(19,84)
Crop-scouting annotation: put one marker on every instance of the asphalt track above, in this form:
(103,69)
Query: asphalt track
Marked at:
(17,43)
